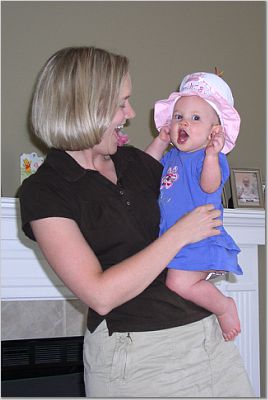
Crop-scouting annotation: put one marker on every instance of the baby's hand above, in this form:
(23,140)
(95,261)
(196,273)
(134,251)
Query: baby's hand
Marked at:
(216,143)
(164,133)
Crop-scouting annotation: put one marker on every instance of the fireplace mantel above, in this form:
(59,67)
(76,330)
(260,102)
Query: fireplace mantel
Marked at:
(25,273)
(27,276)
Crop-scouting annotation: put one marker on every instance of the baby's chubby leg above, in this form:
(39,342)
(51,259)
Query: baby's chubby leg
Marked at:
(191,285)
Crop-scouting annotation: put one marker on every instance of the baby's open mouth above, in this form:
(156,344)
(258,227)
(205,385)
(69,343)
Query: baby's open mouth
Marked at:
(182,136)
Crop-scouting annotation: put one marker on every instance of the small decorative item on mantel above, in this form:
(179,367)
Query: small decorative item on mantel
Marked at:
(29,163)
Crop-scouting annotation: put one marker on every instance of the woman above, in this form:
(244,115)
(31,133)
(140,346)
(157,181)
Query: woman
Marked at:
(92,207)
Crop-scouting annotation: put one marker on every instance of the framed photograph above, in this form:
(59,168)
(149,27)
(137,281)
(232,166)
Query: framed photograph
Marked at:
(246,186)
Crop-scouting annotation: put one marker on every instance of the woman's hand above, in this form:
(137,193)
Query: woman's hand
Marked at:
(200,223)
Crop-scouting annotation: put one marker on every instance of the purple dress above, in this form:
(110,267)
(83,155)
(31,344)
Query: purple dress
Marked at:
(180,193)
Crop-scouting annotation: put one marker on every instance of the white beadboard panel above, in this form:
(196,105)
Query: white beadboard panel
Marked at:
(244,290)
(248,340)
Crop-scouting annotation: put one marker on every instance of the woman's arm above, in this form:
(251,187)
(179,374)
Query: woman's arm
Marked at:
(76,264)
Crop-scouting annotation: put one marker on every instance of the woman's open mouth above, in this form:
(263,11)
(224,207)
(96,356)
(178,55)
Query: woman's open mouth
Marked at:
(182,136)
(119,128)
(122,138)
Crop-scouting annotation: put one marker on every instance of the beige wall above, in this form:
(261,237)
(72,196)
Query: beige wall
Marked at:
(164,41)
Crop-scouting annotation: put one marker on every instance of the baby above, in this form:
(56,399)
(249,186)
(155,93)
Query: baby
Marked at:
(202,125)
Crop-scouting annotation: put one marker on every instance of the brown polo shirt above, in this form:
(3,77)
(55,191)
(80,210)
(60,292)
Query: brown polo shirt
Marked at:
(117,221)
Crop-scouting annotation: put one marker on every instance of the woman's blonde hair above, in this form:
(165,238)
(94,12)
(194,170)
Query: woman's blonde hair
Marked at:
(76,97)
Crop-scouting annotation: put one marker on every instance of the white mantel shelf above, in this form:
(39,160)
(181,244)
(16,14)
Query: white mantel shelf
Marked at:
(27,276)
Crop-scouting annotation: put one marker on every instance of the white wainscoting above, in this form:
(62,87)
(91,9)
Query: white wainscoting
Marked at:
(27,276)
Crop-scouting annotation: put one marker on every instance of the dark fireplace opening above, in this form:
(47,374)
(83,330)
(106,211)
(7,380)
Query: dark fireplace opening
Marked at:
(51,367)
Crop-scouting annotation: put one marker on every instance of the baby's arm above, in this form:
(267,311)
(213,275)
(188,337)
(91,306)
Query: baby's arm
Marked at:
(211,172)
(159,144)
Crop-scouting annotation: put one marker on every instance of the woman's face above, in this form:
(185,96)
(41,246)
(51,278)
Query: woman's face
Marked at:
(108,144)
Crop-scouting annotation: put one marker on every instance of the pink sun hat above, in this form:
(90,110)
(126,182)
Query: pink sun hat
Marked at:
(214,90)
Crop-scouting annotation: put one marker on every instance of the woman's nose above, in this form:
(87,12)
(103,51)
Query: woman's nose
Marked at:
(130,113)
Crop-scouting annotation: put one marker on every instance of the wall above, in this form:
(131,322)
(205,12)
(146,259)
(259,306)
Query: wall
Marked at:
(164,41)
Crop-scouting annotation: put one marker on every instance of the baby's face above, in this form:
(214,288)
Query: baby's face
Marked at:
(192,122)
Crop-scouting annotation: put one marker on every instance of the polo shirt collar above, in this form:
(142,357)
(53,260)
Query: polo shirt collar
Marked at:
(71,171)
(65,165)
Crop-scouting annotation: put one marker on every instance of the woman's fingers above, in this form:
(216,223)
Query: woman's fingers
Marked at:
(201,223)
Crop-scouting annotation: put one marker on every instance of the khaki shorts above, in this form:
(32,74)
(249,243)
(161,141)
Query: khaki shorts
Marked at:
(187,361)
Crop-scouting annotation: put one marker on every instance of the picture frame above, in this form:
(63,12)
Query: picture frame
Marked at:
(224,198)
(246,187)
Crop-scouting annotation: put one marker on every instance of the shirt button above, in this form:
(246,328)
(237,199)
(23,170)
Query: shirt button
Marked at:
(121,192)
(128,203)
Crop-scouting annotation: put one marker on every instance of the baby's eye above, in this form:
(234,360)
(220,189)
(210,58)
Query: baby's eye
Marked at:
(177,116)
(195,117)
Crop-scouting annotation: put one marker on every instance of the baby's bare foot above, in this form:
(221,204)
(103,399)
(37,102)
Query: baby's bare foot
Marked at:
(229,320)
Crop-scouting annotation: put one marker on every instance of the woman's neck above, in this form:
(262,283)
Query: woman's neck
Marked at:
(87,159)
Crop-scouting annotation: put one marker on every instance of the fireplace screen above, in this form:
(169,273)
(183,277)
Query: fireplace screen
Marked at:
(42,367)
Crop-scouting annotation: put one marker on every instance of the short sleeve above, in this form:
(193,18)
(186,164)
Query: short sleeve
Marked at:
(39,200)
(225,170)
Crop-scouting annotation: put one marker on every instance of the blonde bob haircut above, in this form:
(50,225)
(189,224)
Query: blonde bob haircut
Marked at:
(76,97)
